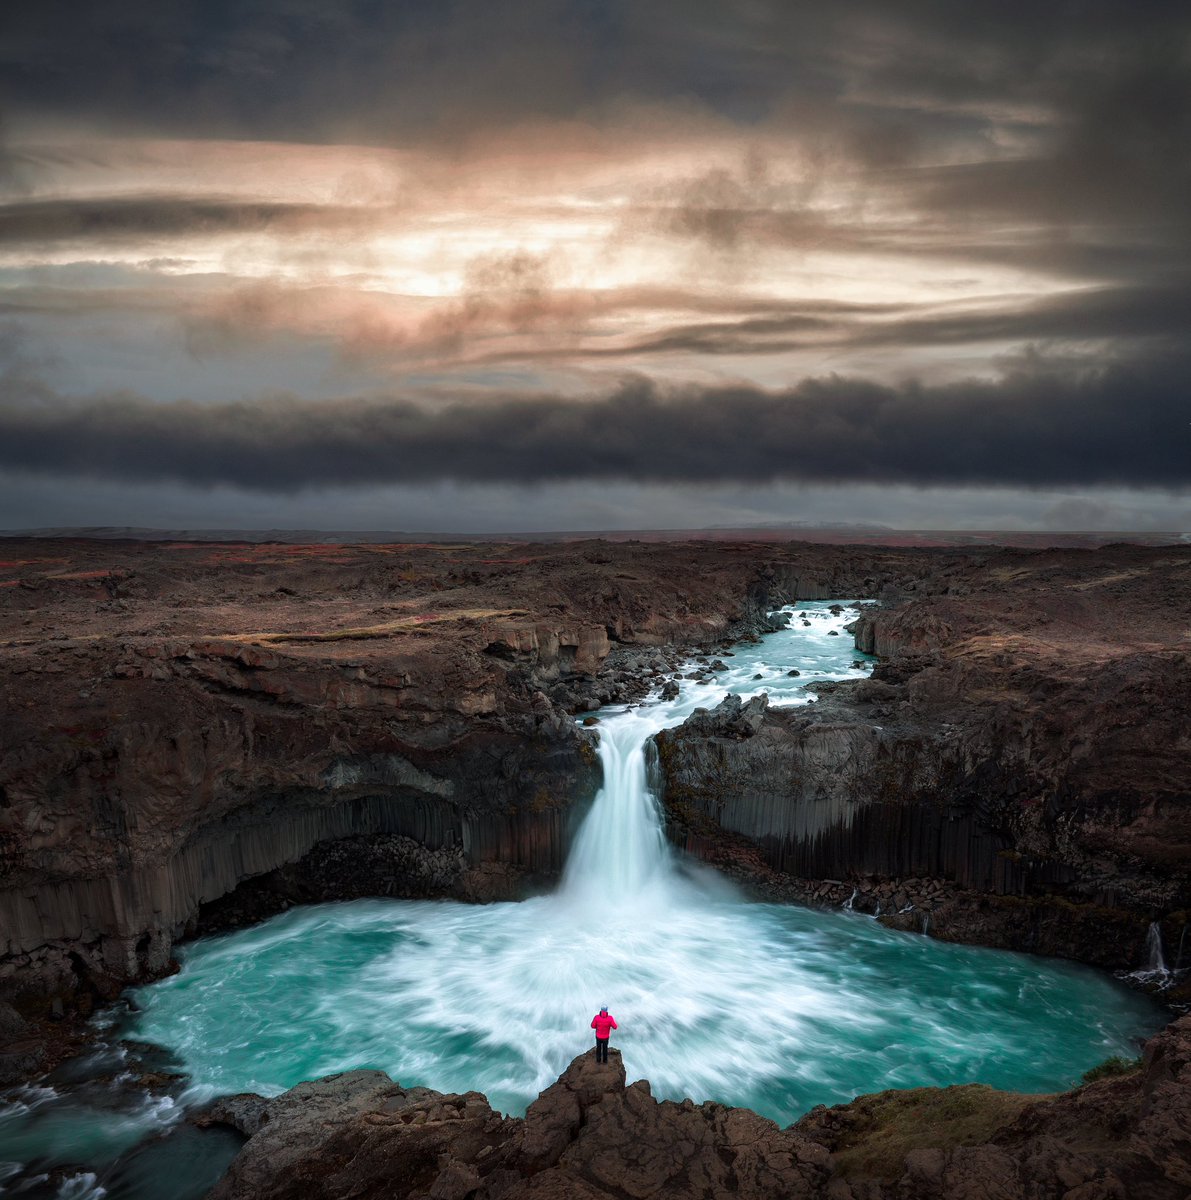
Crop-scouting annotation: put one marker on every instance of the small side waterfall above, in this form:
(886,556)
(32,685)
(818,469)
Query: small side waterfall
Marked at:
(1153,971)
(1155,963)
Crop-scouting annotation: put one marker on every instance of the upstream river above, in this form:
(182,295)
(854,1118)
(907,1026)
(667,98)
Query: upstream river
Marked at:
(770,1006)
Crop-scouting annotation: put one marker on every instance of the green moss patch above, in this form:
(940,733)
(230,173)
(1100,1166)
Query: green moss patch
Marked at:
(1112,1067)
(882,1129)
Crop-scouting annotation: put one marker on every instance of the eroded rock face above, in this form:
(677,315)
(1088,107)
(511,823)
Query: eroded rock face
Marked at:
(1119,1137)
(172,792)
(588,1135)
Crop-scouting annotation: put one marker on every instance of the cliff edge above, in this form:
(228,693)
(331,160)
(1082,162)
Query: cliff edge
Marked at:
(590,1136)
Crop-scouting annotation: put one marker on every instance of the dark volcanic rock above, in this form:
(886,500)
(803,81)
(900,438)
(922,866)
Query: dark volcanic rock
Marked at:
(590,1136)
(586,1136)
(1120,1137)
(365,865)
(731,718)
(1027,740)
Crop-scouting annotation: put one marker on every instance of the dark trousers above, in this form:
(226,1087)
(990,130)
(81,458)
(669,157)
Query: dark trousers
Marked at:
(601,1049)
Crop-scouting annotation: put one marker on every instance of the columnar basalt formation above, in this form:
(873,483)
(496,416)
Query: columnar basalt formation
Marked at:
(1024,743)
(190,769)
(591,1136)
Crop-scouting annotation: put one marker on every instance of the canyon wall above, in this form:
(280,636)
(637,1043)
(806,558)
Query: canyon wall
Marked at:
(186,725)
(1016,770)
(196,735)
(197,767)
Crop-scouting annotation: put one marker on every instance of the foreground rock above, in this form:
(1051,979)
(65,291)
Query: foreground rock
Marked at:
(589,1136)
(1122,1137)
(586,1136)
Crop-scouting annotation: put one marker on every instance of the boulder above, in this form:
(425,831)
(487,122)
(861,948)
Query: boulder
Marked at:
(731,718)
(587,1136)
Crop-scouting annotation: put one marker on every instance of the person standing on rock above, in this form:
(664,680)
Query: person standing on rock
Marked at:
(603,1023)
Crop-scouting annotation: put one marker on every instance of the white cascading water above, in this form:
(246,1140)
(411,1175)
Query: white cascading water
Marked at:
(621,849)
(1155,971)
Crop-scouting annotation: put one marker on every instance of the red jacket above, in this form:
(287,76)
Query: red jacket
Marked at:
(603,1024)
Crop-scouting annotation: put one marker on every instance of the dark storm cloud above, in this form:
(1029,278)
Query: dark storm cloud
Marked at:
(103,220)
(1040,424)
(1114,315)
(1073,117)
(302,69)
(891,79)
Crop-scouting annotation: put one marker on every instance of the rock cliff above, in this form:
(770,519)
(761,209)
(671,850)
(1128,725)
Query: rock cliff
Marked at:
(1015,773)
(196,735)
(589,1135)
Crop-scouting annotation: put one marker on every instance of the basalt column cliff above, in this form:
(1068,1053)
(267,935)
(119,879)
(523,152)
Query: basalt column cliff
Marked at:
(1014,773)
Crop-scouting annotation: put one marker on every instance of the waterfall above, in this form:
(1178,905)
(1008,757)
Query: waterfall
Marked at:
(621,849)
(750,1003)
(1153,972)
(1155,963)
(851,900)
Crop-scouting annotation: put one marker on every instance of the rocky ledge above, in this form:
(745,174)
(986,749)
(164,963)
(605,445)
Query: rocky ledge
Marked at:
(591,1137)
(1015,772)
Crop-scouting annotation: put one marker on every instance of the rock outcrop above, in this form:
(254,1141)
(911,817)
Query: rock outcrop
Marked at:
(1124,1136)
(586,1136)
(166,789)
(591,1136)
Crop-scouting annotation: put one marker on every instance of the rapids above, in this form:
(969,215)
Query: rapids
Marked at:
(774,1007)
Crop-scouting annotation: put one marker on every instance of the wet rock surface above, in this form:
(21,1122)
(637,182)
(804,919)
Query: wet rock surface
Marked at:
(590,1135)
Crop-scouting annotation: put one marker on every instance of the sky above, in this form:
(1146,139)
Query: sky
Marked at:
(563,264)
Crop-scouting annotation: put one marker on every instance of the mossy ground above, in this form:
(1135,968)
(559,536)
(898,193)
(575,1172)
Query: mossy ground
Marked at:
(1112,1067)
(884,1128)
